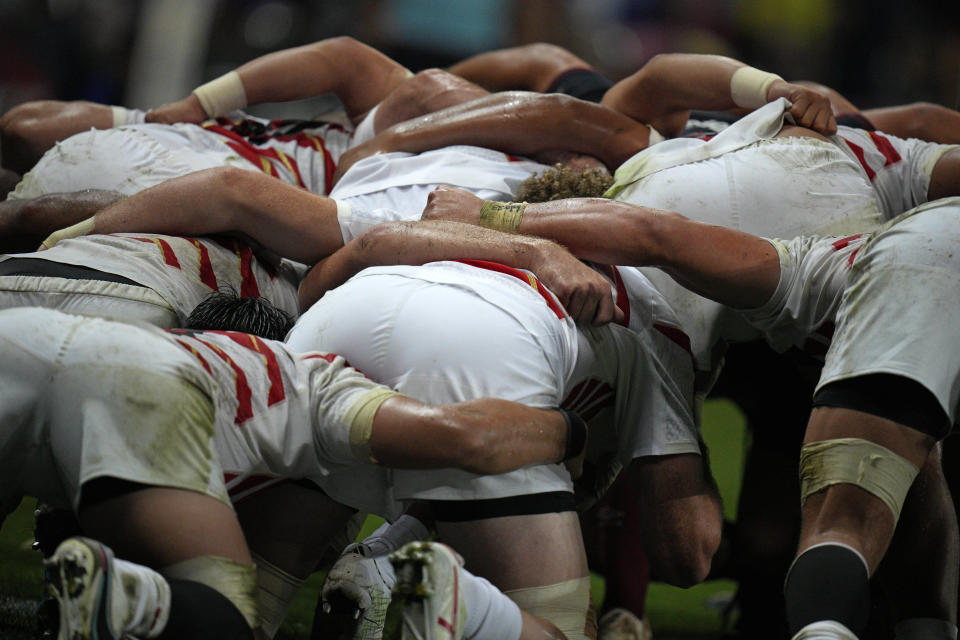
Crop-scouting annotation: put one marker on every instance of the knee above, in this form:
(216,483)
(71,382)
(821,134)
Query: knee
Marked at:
(685,556)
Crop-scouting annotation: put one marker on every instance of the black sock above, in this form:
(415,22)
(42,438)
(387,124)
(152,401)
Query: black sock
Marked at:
(828,582)
(198,612)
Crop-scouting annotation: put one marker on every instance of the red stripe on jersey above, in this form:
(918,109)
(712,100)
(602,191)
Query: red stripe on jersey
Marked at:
(207,276)
(533,281)
(842,243)
(248,485)
(276,392)
(589,397)
(858,151)
(241,385)
(675,335)
(329,357)
(623,300)
(250,153)
(189,347)
(248,282)
(853,255)
(884,147)
(169,257)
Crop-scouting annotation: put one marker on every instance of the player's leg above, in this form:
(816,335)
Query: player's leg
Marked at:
(203,580)
(287,527)
(885,397)
(536,559)
(441,599)
(917,572)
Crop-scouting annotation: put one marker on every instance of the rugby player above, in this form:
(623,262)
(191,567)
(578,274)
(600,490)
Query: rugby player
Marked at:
(140,454)
(791,289)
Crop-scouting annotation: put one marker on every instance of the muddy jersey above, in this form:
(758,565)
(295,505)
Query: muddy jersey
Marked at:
(279,413)
(898,169)
(746,178)
(86,397)
(180,271)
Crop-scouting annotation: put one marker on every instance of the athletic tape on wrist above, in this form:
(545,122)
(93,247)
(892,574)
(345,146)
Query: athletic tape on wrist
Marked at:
(82,228)
(222,95)
(576,434)
(748,87)
(503,216)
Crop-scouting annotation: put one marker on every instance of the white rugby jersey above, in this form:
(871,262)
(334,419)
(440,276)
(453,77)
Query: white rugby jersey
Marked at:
(299,152)
(634,383)
(182,270)
(395,186)
(899,169)
(279,414)
(814,272)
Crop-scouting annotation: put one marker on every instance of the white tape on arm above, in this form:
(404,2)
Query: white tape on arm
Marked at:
(222,95)
(749,86)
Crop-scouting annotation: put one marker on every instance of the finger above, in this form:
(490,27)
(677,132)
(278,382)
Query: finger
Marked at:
(605,310)
(574,306)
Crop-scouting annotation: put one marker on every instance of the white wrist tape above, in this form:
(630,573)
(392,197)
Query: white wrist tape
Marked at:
(222,95)
(82,228)
(749,86)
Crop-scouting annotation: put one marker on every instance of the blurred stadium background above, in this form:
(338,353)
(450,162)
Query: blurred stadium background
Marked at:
(142,53)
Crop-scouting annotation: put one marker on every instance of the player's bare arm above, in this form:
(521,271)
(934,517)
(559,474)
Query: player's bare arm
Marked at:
(515,122)
(726,265)
(584,293)
(481,436)
(25,223)
(662,91)
(333,65)
(287,220)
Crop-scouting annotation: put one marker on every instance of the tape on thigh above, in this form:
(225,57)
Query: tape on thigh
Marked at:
(234,580)
(859,462)
(567,604)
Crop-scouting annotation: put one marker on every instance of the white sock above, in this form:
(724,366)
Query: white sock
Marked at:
(925,629)
(490,614)
(141,598)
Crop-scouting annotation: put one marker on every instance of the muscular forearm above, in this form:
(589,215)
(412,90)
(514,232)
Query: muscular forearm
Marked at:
(728,266)
(481,436)
(25,223)
(359,75)
(524,123)
(285,219)
(416,243)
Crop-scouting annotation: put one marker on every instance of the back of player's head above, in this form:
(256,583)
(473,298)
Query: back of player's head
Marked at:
(565,182)
(226,311)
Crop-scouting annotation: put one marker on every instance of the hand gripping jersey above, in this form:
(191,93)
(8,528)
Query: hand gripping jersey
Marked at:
(394,186)
(134,157)
(175,272)
(82,398)
(747,179)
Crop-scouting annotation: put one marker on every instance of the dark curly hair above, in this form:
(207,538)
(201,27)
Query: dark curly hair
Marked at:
(226,311)
(564,182)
